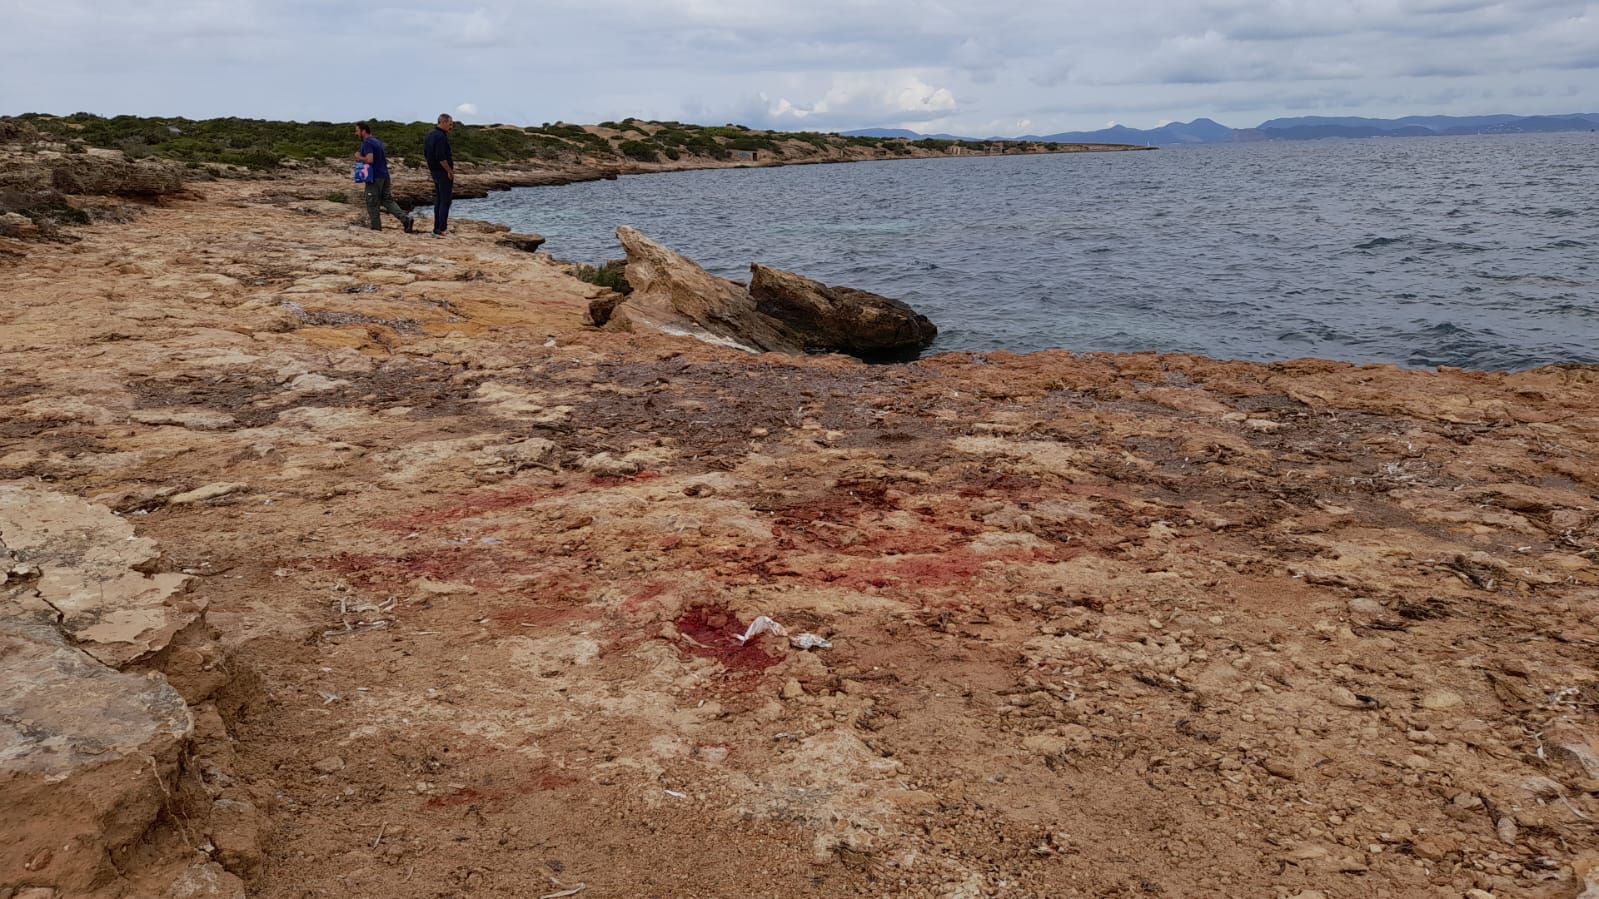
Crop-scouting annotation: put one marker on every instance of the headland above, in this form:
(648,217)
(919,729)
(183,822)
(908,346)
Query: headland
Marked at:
(351,563)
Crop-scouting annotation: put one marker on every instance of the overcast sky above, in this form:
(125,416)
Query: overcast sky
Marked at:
(969,66)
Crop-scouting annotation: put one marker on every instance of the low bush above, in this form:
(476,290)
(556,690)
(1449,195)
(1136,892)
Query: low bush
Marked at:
(639,150)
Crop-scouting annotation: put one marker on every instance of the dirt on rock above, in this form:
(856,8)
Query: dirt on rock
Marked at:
(1100,625)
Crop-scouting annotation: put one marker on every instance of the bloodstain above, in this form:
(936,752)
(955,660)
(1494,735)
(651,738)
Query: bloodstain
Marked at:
(474,506)
(712,633)
(526,617)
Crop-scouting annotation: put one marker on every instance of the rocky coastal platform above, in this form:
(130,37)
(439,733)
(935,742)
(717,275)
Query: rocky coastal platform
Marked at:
(341,563)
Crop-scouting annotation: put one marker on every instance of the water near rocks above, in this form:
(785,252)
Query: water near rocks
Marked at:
(1480,252)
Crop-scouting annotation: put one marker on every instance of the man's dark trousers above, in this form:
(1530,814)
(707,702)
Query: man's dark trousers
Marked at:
(444,191)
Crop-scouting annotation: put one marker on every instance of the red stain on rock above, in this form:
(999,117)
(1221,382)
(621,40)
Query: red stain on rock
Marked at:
(473,506)
(712,633)
(535,618)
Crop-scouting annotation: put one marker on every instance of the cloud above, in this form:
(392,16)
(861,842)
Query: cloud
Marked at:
(866,98)
(961,65)
(466,109)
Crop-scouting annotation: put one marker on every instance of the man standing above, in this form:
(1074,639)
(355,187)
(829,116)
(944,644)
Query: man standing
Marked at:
(441,165)
(378,194)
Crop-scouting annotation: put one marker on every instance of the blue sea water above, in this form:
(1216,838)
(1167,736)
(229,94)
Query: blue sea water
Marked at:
(1480,252)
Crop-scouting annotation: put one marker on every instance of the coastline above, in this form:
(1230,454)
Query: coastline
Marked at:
(460,580)
(412,187)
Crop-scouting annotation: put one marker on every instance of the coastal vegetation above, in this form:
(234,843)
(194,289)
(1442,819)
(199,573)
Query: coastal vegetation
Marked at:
(260,144)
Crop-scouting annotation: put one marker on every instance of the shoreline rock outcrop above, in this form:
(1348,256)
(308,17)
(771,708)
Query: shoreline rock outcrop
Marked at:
(779,312)
(840,318)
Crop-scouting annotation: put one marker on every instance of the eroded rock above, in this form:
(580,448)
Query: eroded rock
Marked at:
(91,573)
(672,294)
(87,757)
(840,319)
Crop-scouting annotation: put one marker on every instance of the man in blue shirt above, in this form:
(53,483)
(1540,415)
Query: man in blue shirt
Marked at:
(378,194)
(441,165)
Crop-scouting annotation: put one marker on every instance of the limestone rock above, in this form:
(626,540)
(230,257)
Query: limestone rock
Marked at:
(207,881)
(673,295)
(529,243)
(91,572)
(114,176)
(87,755)
(839,318)
(235,829)
(206,493)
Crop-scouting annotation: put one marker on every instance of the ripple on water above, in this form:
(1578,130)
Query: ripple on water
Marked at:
(1413,252)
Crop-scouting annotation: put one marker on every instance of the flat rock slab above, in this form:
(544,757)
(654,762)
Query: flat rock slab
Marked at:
(90,571)
(86,753)
(526,242)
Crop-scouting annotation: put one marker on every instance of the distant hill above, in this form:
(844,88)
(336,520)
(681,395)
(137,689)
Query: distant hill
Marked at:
(1207,131)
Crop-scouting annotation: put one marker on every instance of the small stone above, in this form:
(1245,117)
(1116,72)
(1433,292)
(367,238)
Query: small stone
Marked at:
(441,588)
(1479,894)
(207,881)
(203,494)
(235,829)
(1363,605)
(330,765)
(792,689)
(1433,848)
(1279,768)
(1046,745)
(1345,698)
(1507,830)
(1442,700)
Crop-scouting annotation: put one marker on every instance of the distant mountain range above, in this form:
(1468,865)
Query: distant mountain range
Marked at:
(1207,131)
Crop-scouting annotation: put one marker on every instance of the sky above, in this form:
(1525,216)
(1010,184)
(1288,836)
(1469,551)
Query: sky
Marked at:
(989,67)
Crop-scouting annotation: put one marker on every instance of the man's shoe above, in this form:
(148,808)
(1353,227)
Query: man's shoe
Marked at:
(439,235)
(409,223)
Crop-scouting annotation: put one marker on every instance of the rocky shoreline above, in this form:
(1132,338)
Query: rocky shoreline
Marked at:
(372,569)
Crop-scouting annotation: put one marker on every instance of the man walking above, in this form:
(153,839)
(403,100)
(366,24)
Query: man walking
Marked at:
(441,165)
(379,196)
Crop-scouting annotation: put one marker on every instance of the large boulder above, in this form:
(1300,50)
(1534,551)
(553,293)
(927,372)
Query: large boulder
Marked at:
(779,312)
(110,175)
(674,295)
(840,319)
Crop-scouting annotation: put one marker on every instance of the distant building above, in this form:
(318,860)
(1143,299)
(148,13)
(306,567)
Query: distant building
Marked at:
(744,155)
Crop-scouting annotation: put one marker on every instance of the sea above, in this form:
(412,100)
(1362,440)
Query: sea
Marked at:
(1477,252)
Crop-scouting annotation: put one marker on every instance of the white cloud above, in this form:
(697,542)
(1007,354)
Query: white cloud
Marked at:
(865,98)
(466,109)
(955,65)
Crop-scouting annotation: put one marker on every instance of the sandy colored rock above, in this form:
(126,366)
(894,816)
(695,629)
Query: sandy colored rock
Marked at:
(839,319)
(86,754)
(206,493)
(235,828)
(675,296)
(92,566)
(207,881)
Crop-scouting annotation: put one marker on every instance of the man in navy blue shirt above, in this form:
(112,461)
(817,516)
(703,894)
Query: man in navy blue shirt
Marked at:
(378,194)
(441,165)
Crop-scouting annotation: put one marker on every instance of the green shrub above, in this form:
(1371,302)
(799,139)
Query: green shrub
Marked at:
(337,196)
(639,150)
(612,275)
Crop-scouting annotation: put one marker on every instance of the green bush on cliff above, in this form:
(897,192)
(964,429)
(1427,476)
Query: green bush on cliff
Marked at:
(261,144)
(639,150)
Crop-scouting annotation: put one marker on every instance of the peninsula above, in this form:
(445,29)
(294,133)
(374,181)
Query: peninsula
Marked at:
(342,563)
